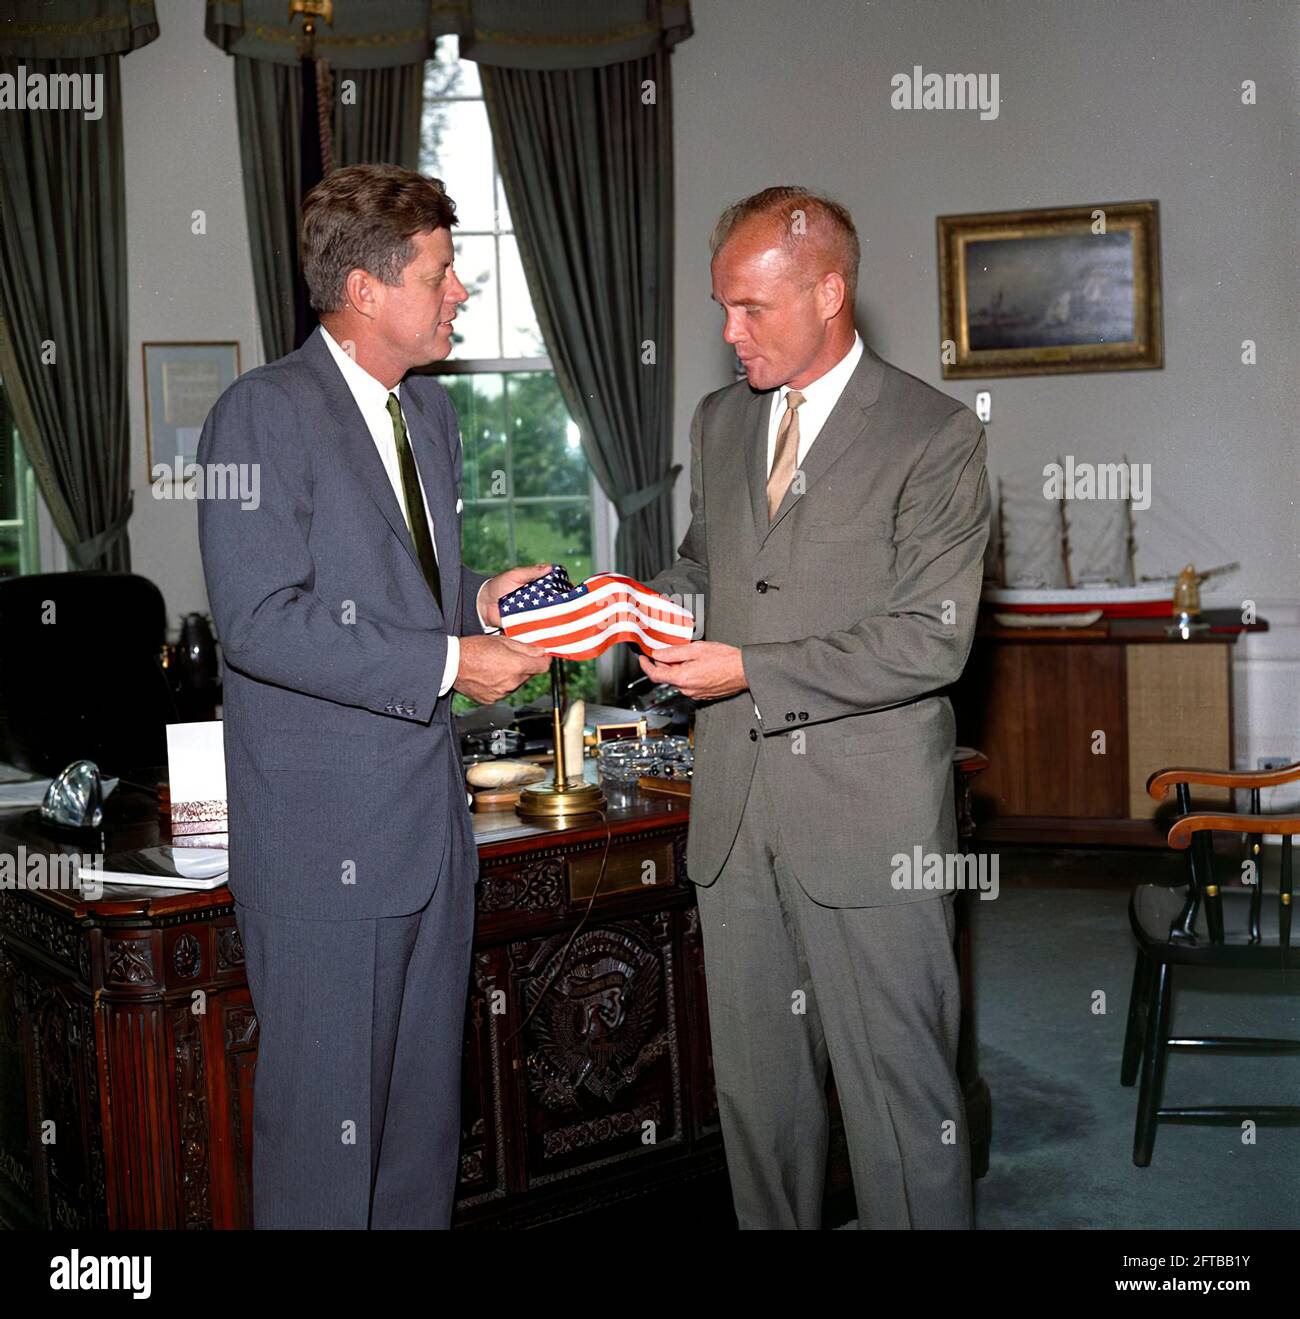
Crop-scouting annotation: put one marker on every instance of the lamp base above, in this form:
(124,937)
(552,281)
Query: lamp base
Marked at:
(551,801)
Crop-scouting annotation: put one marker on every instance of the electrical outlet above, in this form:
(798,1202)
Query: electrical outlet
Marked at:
(1265,763)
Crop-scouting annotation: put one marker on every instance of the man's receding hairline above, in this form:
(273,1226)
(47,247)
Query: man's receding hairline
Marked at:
(796,262)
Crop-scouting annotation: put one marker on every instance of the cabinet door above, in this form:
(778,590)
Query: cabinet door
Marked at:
(1179,713)
(1051,720)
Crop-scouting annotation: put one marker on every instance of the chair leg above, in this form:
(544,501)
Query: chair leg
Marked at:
(1154,1052)
(1143,974)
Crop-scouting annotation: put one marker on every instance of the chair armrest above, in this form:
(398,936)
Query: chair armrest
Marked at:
(1180,835)
(1163,779)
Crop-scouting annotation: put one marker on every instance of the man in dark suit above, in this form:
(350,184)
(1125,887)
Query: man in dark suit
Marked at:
(346,619)
(839,513)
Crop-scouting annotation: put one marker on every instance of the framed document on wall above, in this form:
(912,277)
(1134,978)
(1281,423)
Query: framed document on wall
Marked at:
(1040,292)
(181,383)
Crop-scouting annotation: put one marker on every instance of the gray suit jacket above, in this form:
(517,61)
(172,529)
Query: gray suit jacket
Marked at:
(343,771)
(852,611)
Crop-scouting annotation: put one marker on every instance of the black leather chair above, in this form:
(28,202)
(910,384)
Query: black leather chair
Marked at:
(80,673)
(1209,923)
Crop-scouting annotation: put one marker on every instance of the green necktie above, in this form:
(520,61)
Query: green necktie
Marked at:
(415,518)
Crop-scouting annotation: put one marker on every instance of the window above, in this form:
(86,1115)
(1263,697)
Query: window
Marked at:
(528,490)
(18,535)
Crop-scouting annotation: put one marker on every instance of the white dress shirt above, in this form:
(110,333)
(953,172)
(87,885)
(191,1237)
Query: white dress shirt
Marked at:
(371,396)
(819,398)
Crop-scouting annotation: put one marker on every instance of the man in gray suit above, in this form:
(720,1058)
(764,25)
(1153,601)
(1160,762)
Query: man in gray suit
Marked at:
(839,513)
(346,619)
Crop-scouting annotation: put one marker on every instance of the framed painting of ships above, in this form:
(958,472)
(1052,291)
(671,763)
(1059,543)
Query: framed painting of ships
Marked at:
(1039,292)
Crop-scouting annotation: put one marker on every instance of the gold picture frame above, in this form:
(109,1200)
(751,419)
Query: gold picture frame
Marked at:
(1041,292)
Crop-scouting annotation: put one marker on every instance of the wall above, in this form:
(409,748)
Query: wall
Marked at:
(182,155)
(1098,102)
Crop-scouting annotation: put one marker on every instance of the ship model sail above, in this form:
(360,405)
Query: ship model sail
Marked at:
(1119,595)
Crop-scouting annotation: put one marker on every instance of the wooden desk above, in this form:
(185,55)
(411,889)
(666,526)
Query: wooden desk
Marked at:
(605,1092)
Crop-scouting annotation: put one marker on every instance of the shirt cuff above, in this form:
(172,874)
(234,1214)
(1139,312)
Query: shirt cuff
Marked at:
(489,631)
(452,665)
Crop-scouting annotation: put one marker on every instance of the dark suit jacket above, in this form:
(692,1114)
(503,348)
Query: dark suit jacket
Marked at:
(343,770)
(853,609)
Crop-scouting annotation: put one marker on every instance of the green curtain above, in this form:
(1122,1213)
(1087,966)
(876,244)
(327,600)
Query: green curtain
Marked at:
(63,294)
(63,279)
(268,108)
(377,115)
(375,118)
(587,169)
(76,29)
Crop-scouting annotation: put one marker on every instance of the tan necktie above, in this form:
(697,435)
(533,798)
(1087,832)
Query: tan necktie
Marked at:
(787,450)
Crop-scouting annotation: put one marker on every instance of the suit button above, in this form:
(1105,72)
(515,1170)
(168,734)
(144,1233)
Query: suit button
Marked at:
(753,734)
(760,587)
(803,714)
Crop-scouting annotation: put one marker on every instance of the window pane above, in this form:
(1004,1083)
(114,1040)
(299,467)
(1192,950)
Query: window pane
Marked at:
(456,146)
(485,539)
(555,533)
(476,332)
(519,332)
(546,457)
(448,75)
(478,401)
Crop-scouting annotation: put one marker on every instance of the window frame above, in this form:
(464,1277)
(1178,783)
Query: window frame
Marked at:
(604,519)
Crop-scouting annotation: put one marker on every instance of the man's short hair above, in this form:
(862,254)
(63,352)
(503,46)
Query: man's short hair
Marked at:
(363,217)
(801,217)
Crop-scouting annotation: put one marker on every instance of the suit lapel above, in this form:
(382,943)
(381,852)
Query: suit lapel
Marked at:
(758,415)
(429,443)
(847,421)
(357,447)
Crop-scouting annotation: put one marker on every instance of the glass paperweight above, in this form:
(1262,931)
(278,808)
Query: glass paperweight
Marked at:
(76,797)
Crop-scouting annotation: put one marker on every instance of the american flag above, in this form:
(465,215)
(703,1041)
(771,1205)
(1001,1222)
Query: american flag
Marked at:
(581,622)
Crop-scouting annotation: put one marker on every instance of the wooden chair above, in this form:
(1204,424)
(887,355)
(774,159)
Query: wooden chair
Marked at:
(1205,924)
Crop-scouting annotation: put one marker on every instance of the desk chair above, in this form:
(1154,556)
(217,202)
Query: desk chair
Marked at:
(80,676)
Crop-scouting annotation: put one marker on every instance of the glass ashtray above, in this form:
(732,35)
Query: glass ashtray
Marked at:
(626,760)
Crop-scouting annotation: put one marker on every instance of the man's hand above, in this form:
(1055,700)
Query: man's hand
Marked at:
(502,584)
(491,667)
(703,670)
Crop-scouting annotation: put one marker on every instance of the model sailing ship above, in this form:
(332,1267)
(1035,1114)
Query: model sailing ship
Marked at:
(1139,597)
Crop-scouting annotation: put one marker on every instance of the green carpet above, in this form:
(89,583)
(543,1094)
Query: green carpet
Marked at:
(1063,1124)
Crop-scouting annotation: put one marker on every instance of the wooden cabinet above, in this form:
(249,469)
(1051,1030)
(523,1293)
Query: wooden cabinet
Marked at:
(1073,723)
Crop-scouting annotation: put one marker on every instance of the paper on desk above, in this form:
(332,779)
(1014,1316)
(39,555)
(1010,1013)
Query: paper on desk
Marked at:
(166,867)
